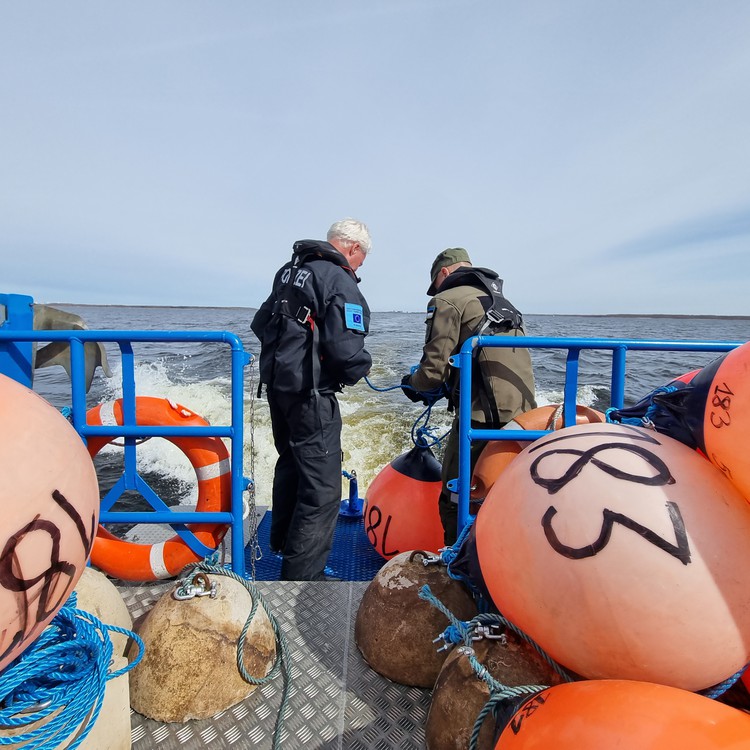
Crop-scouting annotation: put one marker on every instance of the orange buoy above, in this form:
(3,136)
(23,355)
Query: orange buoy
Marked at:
(596,714)
(50,508)
(210,459)
(401,505)
(719,401)
(497,454)
(624,554)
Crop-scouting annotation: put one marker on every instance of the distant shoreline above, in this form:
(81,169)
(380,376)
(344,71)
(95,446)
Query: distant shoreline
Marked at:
(419,312)
(641,315)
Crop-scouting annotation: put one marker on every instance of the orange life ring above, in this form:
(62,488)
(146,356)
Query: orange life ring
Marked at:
(210,459)
(497,454)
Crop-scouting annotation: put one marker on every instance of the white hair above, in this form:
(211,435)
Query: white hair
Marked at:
(351,231)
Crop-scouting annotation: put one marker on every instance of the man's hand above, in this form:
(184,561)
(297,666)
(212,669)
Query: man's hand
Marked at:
(410,393)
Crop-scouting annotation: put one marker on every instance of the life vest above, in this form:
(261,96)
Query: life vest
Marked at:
(285,325)
(500,317)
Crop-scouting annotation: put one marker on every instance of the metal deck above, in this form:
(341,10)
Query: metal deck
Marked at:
(337,701)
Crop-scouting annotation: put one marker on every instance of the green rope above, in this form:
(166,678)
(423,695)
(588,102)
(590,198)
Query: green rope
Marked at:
(282,660)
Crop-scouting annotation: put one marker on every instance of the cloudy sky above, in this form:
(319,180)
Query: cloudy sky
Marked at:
(596,153)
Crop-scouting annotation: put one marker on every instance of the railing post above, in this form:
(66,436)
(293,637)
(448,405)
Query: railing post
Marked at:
(464,430)
(16,356)
(617,393)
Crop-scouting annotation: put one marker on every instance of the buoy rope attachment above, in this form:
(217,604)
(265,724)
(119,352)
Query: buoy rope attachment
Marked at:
(460,631)
(282,660)
(60,677)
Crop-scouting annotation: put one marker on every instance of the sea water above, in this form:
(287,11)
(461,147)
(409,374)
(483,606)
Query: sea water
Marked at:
(377,424)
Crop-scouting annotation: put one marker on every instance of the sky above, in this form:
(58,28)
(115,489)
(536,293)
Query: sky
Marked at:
(595,153)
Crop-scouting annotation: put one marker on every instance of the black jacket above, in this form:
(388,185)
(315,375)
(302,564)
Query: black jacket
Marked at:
(314,305)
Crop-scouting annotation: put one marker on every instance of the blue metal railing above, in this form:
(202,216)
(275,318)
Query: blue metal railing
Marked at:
(619,349)
(10,338)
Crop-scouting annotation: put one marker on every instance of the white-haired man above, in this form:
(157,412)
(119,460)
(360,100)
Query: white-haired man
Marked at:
(312,331)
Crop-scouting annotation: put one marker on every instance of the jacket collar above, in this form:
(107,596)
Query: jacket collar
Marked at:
(471,276)
(305,250)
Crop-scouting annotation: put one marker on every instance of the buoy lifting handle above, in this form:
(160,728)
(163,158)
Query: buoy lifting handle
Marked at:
(198,585)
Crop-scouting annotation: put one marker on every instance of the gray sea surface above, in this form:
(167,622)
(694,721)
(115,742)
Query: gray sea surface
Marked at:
(377,423)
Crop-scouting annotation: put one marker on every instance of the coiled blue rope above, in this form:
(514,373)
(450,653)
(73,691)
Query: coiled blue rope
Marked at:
(65,670)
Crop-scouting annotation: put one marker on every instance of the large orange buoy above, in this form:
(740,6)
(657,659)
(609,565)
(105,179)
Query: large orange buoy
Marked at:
(50,507)
(210,460)
(720,399)
(401,505)
(497,454)
(624,554)
(596,714)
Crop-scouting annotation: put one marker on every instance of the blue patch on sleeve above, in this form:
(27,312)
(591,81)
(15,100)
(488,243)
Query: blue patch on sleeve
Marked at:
(355,319)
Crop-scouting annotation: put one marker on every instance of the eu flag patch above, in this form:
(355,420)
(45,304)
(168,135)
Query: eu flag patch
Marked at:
(355,319)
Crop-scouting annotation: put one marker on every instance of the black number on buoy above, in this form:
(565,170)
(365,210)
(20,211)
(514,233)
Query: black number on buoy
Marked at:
(722,399)
(75,516)
(386,553)
(680,550)
(662,476)
(50,575)
(373,524)
(555,484)
(526,710)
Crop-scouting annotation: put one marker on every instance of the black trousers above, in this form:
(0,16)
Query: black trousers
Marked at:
(448,501)
(306,482)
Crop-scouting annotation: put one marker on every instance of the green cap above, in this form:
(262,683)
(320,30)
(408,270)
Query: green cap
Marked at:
(446,258)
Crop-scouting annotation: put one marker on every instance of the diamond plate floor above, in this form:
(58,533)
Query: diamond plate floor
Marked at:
(337,703)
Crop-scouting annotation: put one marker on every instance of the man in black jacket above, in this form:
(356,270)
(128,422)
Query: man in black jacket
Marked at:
(312,331)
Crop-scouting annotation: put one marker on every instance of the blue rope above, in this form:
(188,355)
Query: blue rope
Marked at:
(719,689)
(381,390)
(64,670)
(460,631)
(650,413)
(449,554)
(421,436)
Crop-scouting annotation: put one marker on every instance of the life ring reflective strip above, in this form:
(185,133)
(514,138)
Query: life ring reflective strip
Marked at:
(209,457)
(497,454)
